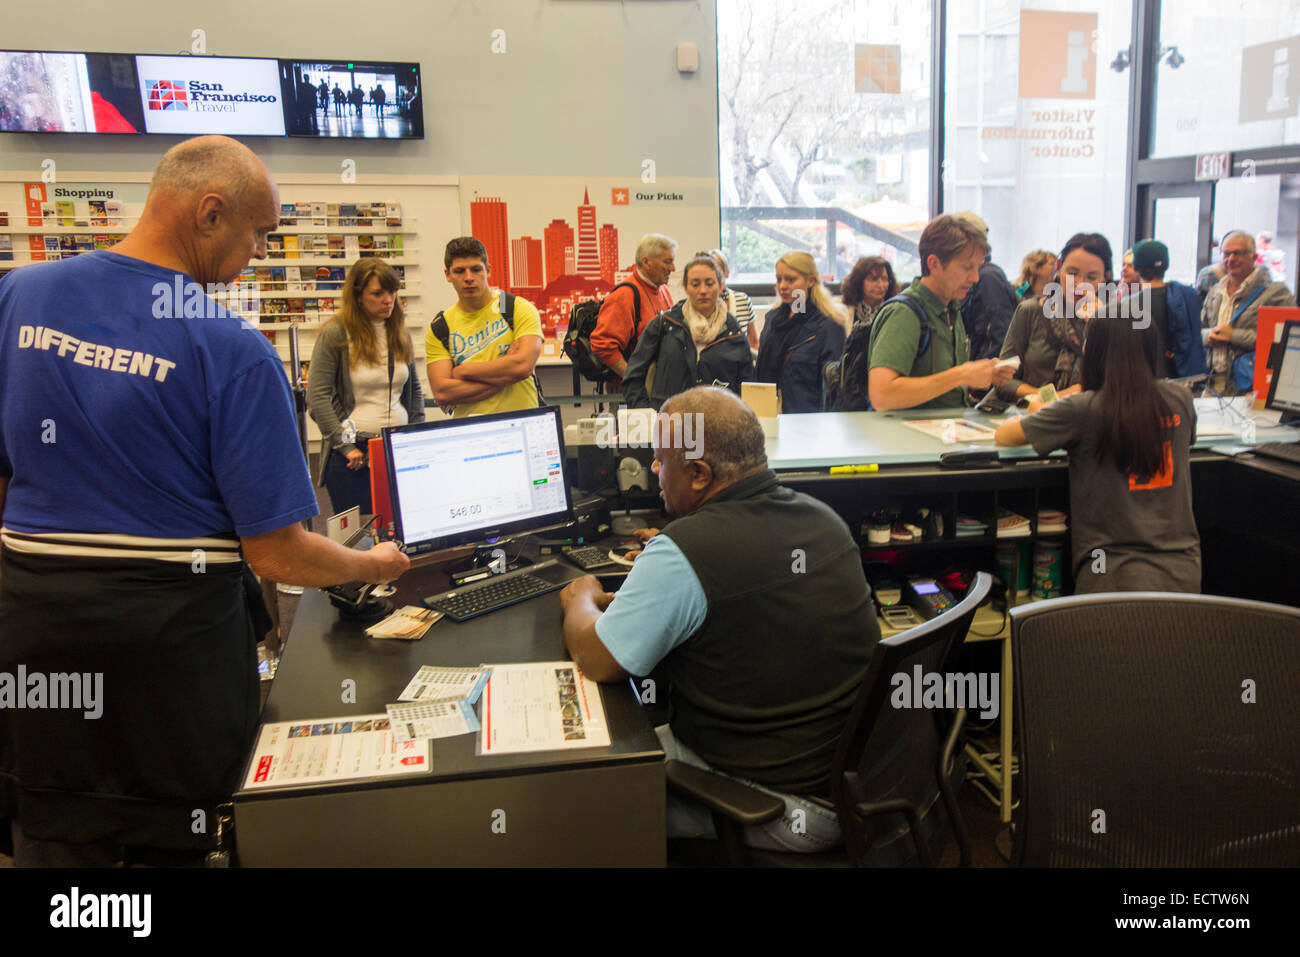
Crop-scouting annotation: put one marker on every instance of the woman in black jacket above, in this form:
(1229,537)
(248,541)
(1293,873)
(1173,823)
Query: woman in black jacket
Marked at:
(696,342)
(800,336)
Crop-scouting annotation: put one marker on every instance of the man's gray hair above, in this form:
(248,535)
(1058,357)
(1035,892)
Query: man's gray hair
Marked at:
(1244,235)
(651,244)
(207,164)
(730,436)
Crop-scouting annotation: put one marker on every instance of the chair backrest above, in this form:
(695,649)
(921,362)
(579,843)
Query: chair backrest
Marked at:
(1157,730)
(890,746)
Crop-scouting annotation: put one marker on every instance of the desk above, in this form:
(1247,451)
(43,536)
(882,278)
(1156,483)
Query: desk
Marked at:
(1247,509)
(598,806)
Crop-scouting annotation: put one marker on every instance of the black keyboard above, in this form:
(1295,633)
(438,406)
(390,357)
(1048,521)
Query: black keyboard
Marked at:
(500,591)
(589,557)
(1286,451)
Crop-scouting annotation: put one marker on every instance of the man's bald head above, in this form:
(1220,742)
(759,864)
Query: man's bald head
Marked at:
(208,164)
(211,205)
(730,437)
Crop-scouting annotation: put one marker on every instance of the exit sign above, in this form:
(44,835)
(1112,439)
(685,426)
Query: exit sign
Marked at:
(1213,166)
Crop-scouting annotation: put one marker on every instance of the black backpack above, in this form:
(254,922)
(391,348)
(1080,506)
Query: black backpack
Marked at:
(986,312)
(846,380)
(443,333)
(577,341)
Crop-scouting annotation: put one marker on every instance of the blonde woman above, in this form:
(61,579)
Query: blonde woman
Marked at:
(800,336)
(362,373)
(1036,272)
(737,302)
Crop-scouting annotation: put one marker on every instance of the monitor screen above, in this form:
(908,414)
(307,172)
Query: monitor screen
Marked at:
(188,95)
(69,93)
(354,99)
(468,480)
(1284,391)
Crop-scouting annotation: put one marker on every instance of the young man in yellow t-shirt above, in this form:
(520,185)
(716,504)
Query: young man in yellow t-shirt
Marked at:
(485,366)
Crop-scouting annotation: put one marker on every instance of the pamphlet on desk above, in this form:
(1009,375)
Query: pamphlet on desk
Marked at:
(952,430)
(330,750)
(541,706)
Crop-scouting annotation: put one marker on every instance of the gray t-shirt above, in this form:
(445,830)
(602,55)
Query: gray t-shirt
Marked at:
(1146,531)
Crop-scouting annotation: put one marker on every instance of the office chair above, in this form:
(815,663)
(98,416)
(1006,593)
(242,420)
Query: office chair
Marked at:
(891,766)
(1157,730)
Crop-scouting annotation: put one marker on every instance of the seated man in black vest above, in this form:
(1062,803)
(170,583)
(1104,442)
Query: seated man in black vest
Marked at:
(754,599)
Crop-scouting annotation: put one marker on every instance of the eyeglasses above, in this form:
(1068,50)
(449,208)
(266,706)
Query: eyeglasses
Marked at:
(1229,254)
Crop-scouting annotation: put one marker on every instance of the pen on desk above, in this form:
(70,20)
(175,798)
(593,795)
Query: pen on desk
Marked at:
(853,469)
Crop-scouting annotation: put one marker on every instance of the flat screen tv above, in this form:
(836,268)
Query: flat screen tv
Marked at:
(63,92)
(189,95)
(49,92)
(352,99)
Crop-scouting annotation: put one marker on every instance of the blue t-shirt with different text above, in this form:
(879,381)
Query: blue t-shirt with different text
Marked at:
(118,414)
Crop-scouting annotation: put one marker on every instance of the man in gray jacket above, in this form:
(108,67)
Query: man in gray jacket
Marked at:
(1231,311)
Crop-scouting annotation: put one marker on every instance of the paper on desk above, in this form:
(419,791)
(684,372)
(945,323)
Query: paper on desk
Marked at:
(952,430)
(434,684)
(326,750)
(541,706)
(413,720)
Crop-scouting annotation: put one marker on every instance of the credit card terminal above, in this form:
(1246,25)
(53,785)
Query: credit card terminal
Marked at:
(929,597)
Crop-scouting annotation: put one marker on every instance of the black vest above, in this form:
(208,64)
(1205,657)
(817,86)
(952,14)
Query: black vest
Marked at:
(764,688)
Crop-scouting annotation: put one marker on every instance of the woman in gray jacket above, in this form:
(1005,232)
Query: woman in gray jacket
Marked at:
(362,378)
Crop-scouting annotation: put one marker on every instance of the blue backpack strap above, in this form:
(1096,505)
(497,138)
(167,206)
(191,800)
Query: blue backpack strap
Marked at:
(1246,305)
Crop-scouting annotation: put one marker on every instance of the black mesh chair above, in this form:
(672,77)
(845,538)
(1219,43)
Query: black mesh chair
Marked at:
(1157,730)
(893,766)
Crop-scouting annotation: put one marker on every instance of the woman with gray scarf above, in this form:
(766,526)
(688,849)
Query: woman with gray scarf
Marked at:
(1047,333)
(697,342)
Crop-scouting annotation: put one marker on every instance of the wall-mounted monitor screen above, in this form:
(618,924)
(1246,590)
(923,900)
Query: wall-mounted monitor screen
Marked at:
(188,95)
(69,93)
(54,92)
(352,99)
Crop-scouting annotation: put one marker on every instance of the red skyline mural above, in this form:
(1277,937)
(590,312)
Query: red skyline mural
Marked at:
(487,224)
(555,272)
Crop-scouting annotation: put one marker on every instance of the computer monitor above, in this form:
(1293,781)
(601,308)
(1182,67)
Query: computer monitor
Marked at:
(458,481)
(1284,390)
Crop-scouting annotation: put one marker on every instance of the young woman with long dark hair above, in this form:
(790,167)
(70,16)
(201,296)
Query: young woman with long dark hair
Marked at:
(1128,434)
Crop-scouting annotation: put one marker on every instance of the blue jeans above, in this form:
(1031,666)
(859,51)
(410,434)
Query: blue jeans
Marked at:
(806,827)
(347,487)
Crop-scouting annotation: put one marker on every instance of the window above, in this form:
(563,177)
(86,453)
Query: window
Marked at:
(1228,76)
(1037,146)
(825,132)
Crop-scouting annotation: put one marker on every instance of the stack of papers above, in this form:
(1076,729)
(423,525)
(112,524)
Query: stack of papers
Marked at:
(1052,521)
(438,703)
(1012,525)
(968,527)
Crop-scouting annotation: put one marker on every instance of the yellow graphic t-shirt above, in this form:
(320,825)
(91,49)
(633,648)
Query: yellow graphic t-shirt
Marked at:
(484,335)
